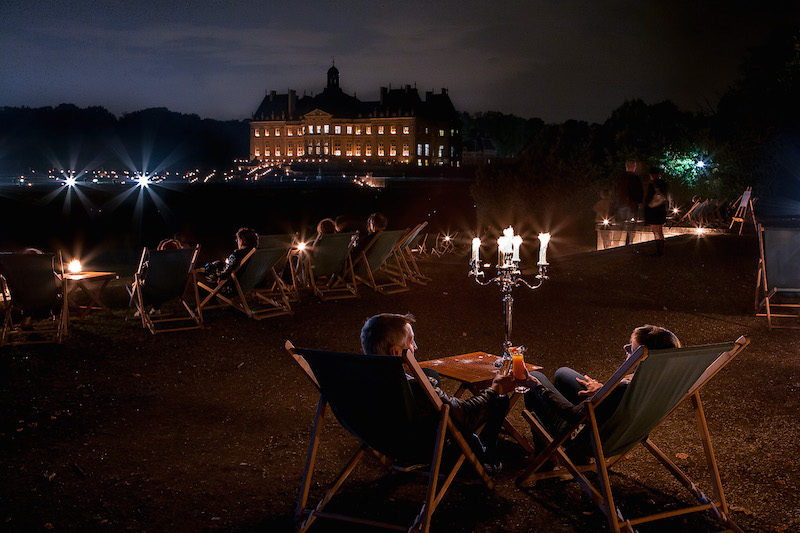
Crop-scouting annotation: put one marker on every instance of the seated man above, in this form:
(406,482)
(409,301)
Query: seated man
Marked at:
(246,240)
(390,334)
(558,403)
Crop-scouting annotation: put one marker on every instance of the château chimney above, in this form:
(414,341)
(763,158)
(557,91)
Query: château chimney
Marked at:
(292,102)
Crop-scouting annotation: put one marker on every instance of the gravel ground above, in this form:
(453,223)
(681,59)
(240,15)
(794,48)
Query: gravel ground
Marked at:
(117,430)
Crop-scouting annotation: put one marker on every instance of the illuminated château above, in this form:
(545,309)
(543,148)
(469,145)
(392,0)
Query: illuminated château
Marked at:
(331,127)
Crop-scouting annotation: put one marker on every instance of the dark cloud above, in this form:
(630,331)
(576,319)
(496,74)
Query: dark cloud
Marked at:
(538,58)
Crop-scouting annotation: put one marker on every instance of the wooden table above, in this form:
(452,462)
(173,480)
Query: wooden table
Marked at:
(93,284)
(474,372)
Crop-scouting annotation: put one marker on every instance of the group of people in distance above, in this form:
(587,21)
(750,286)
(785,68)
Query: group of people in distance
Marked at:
(375,223)
(555,403)
(629,196)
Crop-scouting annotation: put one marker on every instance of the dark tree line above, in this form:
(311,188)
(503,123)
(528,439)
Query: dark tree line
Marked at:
(752,138)
(68,137)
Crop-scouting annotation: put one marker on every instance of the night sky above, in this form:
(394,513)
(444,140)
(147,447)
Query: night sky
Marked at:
(555,59)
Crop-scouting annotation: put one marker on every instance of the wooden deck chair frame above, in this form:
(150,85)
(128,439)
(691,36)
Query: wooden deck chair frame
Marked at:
(279,285)
(406,250)
(379,265)
(688,214)
(163,323)
(12,333)
(780,304)
(744,205)
(445,243)
(438,482)
(264,306)
(609,445)
(330,275)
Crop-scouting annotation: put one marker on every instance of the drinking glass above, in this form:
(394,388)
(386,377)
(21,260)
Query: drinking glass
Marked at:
(518,368)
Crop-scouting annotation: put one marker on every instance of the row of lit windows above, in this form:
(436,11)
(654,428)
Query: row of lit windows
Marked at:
(337,130)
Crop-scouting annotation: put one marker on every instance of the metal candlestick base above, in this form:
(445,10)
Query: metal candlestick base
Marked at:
(508,276)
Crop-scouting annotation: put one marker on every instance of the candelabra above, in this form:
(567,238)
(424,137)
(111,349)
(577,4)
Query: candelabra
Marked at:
(509,275)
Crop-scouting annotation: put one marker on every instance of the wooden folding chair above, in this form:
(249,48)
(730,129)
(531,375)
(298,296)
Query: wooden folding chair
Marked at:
(379,265)
(285,281)
(778,296)
(445,243)
(664,379)
(388,424)
(250,275)
(744,205)
(164,276)
(406,247)
(32,287)
(328,268)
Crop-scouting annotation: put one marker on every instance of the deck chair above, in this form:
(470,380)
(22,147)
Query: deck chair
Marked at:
(285,281)
(328,268)
(379,265)
(250,275)
(409,263)
(663,380)
(390,428)
(164,276)
(445,243)
(31,285)
(778,297)
(692,214)
(744,205)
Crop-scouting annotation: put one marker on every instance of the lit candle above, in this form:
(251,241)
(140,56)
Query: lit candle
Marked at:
(501,250)
(476,246)
(515,242)
(544,239)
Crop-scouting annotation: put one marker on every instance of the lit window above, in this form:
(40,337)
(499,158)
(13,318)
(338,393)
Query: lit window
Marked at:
(319,128)
(258,152)
(452,132)
(419,149)
(393,130)
(277,151)
(300,149)
(289,151)
(368,130)
(337,150)
(304,129)
(358,130)
(325,150)
(349,130)
(266,132)
(317,148)
(357,150)
(441,150)
(406,130)
(337,130)
(266,152)
(368,150)
(349,151)
(380,130)
(392,150)
(380,150)
(441,133)
(406,151)
(289,132)
(257,133)
(427,149)
(277,133)
(327,128)
(300,131)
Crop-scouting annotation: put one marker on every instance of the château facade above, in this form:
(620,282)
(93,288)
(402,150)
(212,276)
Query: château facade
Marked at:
(331,127)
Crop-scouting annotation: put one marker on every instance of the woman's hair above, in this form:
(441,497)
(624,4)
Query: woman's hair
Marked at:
(326,225)
(655,338)
(169,244)
(383,331)
(378,221)
(248,236)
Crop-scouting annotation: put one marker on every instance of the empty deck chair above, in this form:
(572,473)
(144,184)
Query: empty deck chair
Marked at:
(328,268)
(778,295)
(250,275)
(379,265)
(445,243)
(371,398)
(744,205)
(285,281)
(663,380)
(32,288)
(164,276)
(406,248)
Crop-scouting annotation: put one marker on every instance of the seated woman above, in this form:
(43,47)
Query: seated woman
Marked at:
(375,222)
(246,240)
(326,225)
(558,403)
